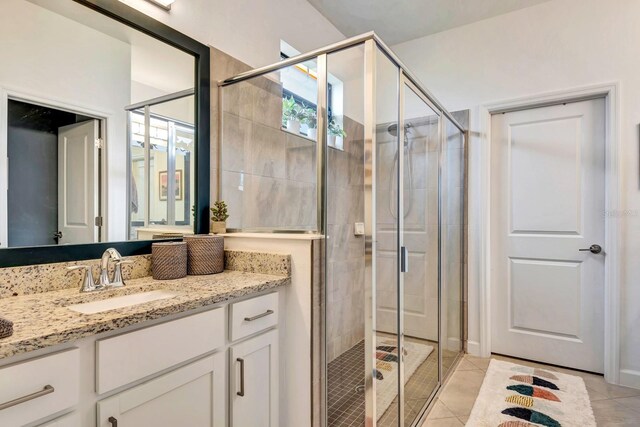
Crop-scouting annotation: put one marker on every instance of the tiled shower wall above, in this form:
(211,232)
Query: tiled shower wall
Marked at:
(268,174)
(268,180)
(345,250)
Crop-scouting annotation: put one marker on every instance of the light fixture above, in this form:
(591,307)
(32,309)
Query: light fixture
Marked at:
(164,4)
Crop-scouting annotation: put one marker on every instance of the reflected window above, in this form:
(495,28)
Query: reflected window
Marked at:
(162,168)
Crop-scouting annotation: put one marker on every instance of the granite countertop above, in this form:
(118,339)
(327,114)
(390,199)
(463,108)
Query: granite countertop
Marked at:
(41,320)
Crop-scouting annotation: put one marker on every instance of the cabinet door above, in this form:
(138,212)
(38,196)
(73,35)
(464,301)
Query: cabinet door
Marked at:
(254,382)
(69,420)
(193,396)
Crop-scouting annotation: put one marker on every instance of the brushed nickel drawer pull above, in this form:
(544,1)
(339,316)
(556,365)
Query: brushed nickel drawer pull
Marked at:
(241,392)
(258,316)
(46,390)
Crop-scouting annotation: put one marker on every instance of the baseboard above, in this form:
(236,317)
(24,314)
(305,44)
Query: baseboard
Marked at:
(473,348)
(630,378)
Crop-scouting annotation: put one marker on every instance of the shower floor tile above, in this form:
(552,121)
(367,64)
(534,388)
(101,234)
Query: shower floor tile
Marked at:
(346,392)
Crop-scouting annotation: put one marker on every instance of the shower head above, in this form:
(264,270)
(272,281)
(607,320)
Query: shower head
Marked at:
(393,129)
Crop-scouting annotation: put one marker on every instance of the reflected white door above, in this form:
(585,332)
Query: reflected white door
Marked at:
(547,203)
(77,182)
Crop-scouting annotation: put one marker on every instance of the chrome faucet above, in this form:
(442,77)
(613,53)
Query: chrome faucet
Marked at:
(103,282)
(103,278)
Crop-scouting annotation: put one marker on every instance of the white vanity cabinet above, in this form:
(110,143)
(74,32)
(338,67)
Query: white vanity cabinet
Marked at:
(38,388)
(254,382)
(185,371)
(192,395)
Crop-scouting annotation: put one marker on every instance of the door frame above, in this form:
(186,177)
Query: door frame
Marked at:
(610,93)
(15,94)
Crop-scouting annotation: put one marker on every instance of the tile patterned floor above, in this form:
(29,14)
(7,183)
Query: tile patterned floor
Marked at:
(612,405)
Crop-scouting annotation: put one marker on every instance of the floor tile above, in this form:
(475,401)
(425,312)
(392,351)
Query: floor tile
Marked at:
(612,413)
(599,385)
(630,402)
(466,365)
(443,422)
(479,362)
(439,410)
(461,391)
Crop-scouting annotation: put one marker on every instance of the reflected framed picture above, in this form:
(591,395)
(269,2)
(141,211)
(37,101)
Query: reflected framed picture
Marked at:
(164,185)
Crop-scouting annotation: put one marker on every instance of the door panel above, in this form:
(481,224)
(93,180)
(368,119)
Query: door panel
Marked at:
(254,382)
(77,182)
(556,283)
(545,156)
(547,177)
(192,395)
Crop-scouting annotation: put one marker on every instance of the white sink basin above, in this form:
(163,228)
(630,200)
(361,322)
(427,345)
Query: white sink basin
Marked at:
(121,302)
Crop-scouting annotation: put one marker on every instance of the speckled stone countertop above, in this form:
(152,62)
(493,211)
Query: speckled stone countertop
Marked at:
(42,319)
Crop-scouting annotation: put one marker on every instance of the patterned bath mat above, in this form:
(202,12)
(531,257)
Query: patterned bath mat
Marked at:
(387,368)
(519,396)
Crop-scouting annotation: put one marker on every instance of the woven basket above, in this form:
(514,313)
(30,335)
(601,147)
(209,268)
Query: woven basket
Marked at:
(6,328)
(206,254)
(169,260)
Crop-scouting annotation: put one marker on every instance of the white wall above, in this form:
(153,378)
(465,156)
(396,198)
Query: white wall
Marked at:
(48,56)
(553,46)
(249,30)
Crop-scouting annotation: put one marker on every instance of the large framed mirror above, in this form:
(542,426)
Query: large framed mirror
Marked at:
(104,125)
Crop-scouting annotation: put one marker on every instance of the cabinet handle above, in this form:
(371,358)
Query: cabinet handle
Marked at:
(241,392)
(46,390)
(258,316)
(113,421)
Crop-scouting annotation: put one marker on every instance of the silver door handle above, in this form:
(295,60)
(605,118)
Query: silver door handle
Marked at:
(258,316)
(594,249)
(241,392)
(404,259)
(46,390)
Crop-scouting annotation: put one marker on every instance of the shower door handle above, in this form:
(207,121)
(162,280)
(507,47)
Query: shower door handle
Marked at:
(404,259)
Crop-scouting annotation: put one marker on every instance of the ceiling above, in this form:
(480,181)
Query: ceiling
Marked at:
(397,21)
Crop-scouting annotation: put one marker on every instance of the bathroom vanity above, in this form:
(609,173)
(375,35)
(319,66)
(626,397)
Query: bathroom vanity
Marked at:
(205,351)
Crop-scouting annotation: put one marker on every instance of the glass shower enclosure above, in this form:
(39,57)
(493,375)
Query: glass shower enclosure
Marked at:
(377,166)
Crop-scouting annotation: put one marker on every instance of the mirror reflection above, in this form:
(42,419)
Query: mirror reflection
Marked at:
(98,129)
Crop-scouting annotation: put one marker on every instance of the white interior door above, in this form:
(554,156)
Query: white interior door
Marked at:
(547,206)
(78,182)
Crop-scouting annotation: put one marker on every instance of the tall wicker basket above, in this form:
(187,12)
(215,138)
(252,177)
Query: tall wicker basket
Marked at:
(206,254)
(169,260)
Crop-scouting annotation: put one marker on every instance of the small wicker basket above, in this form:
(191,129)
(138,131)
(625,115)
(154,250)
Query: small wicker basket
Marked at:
(206,254)
(6,328)
(169,260)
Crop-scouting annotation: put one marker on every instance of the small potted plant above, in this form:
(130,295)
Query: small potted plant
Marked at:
(336,134)
(292,113)
(219,217)
(311,120)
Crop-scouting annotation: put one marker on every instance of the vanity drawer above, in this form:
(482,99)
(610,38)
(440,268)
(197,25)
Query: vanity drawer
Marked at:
(253,315)
(135,355)
(44,386)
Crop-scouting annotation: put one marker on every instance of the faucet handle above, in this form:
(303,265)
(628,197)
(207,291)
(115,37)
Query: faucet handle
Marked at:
(118,280)
(87,284)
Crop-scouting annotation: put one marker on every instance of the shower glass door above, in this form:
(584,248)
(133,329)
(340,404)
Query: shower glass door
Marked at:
(419,224)
(405,345)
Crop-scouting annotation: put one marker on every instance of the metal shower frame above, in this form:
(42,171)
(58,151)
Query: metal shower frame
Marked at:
(372,45)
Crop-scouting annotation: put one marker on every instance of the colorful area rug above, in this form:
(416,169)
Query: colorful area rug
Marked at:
(519,396)
(387,368)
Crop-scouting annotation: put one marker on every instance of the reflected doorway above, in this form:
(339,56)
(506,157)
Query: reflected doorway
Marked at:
(53,192)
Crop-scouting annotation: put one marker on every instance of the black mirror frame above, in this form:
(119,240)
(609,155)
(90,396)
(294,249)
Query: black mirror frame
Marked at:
(118,11)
